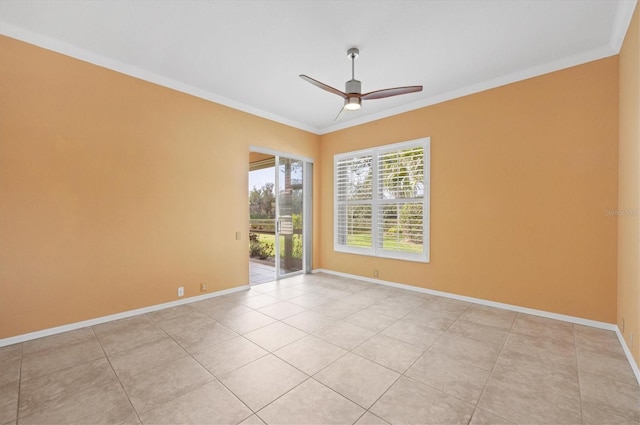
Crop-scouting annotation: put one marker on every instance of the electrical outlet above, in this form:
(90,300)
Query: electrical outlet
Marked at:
(181,291)
(375,273)
(622,326)
(238,236)
(203,287)
(631,342)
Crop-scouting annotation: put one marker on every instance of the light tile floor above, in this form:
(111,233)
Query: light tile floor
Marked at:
(260,272)
(265,271)
(319,349)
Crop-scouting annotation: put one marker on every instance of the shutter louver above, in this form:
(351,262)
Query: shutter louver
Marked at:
(354,192)
(400,185)
(381,201)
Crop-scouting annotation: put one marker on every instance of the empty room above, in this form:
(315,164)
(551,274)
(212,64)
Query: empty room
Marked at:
(320,212)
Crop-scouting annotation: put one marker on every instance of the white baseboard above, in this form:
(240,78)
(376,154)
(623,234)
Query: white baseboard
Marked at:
(542,313)
(627,351)
(104,319)
(526,310)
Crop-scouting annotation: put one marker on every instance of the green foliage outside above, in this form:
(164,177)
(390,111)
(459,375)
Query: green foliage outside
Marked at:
(269,240)
(402,179)
(259,248)
(390,242)
(262,202)
(297,221)
(262,214)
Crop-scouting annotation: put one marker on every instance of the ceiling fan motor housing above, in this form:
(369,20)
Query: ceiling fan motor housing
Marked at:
(353,86)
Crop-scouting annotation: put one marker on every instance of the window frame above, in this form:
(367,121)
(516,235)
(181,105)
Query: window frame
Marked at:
(377,202)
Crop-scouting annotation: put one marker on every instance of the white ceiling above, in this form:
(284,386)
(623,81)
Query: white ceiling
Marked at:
(248,54)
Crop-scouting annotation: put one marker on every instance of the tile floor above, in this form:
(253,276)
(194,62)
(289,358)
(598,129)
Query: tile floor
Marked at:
(318,349)
(264,271)
(261,272)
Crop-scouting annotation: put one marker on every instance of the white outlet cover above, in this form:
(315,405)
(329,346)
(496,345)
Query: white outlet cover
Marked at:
(181,291)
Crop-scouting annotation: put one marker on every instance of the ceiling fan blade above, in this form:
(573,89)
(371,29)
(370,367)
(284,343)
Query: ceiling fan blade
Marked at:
(323,86)
(380,94)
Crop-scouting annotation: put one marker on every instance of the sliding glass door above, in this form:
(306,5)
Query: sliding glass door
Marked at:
(289,215)
(280,215)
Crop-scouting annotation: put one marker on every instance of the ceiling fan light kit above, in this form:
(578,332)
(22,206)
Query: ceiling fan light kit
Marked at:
(352,103)
(353,88)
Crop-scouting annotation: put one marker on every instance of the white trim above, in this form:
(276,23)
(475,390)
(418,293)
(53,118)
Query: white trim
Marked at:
(514,77)
(376,249)
(510,307)
(627,352)
(621,22)
(104,319)
(276,234)
(407,144)
(262,164)
(267,151)
(84,55)
(307,217)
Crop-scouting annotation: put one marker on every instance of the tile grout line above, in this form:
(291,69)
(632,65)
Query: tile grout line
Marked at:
(45,374)
(347,398)
(239,367)
(279,397)
(189,354)
(269,352)
(575,347)
(602,375)
(230,390)
(19,384)
(484,388)
(444,332)
(116,375)
(400,375)
(459,318)
(297,340)
(403,374)
(215,378)
(347,352)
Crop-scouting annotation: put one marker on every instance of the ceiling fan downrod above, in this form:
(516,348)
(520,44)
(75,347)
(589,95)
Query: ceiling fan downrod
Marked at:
(353,86)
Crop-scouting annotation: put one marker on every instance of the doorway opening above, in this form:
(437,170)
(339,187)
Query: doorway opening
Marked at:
(279,216)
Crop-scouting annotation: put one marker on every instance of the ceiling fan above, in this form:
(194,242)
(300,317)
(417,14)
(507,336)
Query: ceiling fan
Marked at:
(352,94)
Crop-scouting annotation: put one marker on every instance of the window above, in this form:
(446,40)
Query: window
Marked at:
(382,201)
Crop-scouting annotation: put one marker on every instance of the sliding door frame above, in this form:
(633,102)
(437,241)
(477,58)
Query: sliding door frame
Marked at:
(307,208)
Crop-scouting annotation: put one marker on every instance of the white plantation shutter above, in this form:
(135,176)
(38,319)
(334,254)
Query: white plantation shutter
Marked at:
(382,202)
(354,192)
(400,194)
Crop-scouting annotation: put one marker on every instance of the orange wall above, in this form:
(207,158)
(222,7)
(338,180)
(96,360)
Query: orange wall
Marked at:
(629,188)
(521,176)
(110,191)
(115,191)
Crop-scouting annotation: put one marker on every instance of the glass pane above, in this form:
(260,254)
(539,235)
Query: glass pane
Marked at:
(357,226)
(290,205)
(354,178)
(401,227)
(262,224)
(401,174)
